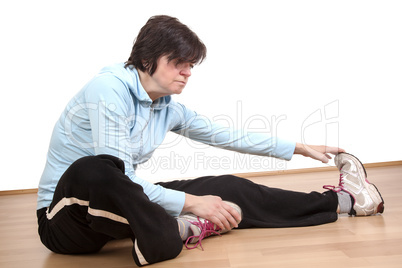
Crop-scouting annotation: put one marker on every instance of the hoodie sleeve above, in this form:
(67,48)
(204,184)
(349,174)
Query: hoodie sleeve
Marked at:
(202,129)
(110,119)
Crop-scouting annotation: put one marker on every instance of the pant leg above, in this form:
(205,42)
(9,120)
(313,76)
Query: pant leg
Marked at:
(95,202)
(263,206)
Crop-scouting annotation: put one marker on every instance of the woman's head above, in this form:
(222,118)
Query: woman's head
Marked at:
(165,36)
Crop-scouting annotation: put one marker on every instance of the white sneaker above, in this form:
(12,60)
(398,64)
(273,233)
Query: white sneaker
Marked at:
(353,180)
(203,228)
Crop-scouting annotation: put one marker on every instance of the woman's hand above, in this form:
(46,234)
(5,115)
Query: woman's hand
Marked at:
(317,152)
(213,209)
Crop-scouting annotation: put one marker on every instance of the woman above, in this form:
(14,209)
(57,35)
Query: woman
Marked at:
(89,193)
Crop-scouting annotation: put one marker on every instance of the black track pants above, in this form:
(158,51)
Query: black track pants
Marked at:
(95,202)
(263,206)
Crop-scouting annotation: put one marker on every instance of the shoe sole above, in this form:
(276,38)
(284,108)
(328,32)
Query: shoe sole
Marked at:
(370,187)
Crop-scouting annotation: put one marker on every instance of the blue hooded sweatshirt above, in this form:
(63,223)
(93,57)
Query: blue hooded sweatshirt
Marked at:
(114,115)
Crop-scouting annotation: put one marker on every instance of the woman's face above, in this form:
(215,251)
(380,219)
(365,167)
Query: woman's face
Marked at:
(170,77)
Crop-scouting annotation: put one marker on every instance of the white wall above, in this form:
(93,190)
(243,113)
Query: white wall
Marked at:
(321,72)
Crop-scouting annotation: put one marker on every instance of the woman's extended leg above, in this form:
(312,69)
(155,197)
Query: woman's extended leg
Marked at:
(263,206)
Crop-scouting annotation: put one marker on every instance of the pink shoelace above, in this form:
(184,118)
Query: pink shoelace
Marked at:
(207,229)
(338,188)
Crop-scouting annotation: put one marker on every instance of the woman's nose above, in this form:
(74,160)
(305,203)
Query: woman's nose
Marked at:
(186,71)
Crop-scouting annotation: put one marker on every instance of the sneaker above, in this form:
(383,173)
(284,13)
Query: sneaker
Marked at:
(203,228)
(353,180)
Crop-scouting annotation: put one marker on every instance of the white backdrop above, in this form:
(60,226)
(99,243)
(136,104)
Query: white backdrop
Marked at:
(320,72)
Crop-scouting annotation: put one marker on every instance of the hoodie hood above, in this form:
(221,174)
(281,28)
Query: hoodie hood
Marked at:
(130,78)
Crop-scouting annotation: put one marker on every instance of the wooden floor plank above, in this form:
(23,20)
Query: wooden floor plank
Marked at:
(374,241)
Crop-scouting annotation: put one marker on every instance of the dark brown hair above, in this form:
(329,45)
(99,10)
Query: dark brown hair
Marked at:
(165,36)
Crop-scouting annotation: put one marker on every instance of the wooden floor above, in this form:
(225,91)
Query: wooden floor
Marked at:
(374,241)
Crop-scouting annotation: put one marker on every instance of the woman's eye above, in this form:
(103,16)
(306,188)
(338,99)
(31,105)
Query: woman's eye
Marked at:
(183,65)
